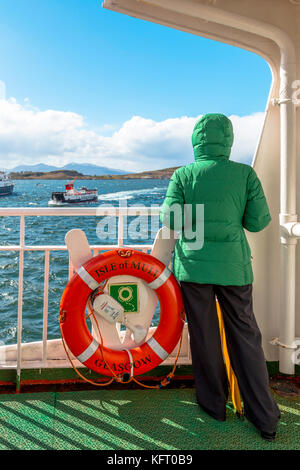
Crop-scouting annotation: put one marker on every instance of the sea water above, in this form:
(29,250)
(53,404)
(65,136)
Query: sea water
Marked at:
(51,231)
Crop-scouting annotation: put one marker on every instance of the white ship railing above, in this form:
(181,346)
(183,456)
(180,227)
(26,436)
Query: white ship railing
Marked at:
(22,213)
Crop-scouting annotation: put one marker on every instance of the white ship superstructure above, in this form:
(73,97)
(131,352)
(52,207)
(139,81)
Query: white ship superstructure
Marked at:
(73,196)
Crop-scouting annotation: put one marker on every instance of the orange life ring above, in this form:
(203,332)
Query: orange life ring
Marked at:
(142,358)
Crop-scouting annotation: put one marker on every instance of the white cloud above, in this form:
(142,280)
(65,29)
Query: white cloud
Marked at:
(28,135)
(247,130)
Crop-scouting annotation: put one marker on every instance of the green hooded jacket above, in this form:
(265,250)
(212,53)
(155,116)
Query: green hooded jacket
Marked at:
(210,202)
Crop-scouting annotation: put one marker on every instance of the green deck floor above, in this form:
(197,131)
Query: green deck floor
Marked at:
(132,419)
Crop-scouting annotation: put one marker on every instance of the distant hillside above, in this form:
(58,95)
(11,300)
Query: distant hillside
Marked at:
(163,174)
(166,173)
(89,169)
(39,167)
(83,168)
(49,175)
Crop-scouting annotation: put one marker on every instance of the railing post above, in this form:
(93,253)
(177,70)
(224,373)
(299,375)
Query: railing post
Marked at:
(20,303)
(45,309)
(120,230)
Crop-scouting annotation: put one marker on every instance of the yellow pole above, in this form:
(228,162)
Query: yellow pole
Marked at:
(234,388)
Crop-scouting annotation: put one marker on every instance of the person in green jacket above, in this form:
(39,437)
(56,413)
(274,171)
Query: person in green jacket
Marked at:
(210,202)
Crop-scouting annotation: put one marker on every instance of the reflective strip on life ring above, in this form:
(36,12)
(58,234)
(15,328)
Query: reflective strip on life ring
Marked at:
(140,359)
(162,278)
(83,357)
(87,278)
(156,347)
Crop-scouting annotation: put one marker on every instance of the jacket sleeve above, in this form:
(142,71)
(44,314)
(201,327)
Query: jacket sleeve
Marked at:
(172,210)
(256,215)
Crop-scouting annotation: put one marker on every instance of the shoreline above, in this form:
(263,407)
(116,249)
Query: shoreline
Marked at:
(91,178)
(163,174)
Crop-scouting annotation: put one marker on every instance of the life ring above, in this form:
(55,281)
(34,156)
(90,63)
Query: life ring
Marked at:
(153,351)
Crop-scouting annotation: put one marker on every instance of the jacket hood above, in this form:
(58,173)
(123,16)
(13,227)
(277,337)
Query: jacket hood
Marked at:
(212,137)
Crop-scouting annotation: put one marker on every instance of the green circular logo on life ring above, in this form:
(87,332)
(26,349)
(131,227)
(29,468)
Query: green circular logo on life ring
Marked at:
(125,293)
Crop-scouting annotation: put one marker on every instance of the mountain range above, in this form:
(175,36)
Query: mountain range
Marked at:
(84,168)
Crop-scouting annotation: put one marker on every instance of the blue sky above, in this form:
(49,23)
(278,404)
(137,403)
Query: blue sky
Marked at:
(100,69)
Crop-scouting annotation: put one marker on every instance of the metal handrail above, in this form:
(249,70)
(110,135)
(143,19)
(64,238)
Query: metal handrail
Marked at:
(76,211)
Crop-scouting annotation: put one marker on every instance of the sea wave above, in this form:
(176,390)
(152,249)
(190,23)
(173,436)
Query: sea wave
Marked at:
(130,194)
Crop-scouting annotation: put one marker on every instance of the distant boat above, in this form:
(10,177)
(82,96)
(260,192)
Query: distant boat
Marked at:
(73,196)
(6,185)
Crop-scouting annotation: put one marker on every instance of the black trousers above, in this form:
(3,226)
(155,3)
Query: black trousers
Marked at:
(244,347)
